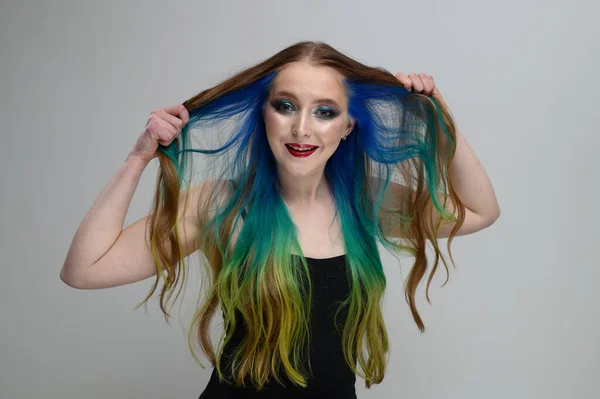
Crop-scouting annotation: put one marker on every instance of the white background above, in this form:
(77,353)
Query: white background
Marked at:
(519,316)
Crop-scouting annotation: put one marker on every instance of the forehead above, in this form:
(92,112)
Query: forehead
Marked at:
(309,81)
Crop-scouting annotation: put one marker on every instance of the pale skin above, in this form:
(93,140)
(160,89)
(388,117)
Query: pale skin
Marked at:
(103,254)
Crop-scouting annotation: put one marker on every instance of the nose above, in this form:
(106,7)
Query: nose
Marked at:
(301,126)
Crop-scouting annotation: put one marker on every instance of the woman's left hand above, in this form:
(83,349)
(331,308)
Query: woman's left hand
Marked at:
(419,83)
(424,84)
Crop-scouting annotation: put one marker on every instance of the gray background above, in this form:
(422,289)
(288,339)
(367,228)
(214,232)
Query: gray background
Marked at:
(519,317)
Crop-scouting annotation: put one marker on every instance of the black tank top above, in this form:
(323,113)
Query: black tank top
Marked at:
(332,377)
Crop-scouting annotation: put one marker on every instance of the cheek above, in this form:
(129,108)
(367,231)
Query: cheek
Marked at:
(274,129)
(329,133)
(275,124)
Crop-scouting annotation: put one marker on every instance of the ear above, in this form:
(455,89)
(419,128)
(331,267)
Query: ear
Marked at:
(350,125)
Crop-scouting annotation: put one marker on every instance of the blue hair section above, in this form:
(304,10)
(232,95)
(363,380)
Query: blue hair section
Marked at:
(246,104)
(392,126)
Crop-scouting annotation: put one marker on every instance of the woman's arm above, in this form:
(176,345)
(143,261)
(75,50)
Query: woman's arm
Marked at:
(472,186)
(469,178)
(474,189)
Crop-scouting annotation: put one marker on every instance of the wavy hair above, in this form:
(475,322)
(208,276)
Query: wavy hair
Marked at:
(396,137)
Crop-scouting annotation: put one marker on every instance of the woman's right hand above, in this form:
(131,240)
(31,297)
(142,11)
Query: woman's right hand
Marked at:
(164,125)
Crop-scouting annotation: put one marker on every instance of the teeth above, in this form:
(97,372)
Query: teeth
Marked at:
(302,149)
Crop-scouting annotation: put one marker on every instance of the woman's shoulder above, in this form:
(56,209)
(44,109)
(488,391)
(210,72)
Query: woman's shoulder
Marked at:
(216,186)
(206,193)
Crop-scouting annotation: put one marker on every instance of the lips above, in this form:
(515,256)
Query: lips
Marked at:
(307,150)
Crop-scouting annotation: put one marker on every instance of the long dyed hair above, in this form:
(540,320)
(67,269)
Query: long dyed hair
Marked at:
(396,137)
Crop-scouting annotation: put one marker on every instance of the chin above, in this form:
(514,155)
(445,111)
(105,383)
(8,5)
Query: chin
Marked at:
(298,167)
(299,172)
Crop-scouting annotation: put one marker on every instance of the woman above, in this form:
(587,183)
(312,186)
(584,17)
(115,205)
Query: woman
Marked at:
(313,159)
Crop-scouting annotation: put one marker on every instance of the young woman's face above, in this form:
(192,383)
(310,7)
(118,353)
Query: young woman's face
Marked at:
(307,107)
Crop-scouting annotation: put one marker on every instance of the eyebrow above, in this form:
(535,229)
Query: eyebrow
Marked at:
(319,101)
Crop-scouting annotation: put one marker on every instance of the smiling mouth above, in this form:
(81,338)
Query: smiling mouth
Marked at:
(301,153)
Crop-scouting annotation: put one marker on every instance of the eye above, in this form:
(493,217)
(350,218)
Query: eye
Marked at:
(283,106)
(326,113)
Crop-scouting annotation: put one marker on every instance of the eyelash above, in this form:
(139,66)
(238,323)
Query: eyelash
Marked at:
(330,113)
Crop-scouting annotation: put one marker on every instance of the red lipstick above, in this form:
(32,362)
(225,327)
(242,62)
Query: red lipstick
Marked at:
(301,150)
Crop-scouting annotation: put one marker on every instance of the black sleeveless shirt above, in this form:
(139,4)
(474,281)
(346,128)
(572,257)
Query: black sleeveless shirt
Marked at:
(331,376)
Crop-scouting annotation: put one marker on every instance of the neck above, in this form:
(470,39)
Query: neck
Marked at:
(305,190)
